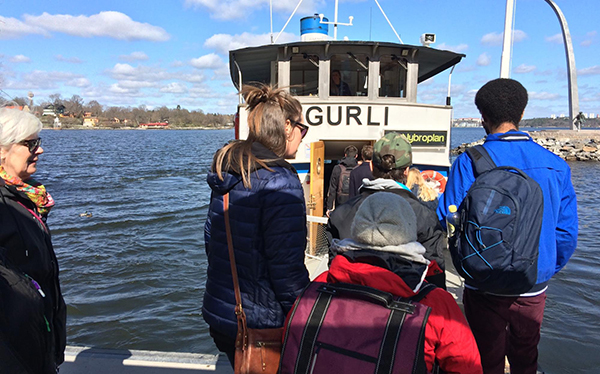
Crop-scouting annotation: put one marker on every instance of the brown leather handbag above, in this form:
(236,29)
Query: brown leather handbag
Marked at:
(257,351)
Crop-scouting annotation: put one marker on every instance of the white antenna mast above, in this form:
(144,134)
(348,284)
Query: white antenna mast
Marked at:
(335,22)
(271,14)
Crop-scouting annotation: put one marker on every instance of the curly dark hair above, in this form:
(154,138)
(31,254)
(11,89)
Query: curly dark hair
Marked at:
(386,169)
(501,100)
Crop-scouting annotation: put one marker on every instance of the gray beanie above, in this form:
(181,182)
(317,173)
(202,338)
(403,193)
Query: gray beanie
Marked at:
(384,219)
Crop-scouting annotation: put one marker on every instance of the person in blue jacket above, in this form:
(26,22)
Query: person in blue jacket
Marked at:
(267,216)
(509,325)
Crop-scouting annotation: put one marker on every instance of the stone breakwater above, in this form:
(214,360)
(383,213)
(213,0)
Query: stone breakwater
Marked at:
(569,145)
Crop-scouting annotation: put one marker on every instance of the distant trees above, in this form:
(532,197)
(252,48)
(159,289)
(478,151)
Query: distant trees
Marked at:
(20,101)
(114,116)
(74,106)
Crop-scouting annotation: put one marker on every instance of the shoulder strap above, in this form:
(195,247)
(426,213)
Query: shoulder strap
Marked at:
(239,312)
(482,161)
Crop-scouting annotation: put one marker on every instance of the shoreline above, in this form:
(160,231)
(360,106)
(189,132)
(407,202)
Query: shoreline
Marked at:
(570,145)
(136,128)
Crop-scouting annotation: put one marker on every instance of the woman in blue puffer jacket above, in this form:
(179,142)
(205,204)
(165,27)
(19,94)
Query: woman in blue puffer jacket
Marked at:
(267,215)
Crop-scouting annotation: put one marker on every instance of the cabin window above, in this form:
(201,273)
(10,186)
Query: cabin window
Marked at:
(348,75)
(392,76)
(304,75)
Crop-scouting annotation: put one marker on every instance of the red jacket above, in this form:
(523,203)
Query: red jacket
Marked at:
(448,338)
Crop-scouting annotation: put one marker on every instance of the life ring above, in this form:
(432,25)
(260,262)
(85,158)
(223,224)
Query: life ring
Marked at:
(432,175)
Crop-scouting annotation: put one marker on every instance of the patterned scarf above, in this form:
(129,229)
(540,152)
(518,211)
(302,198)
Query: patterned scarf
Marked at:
(35,191)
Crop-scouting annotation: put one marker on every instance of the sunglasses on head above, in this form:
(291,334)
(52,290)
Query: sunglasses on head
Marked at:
(32,144)
(303,128)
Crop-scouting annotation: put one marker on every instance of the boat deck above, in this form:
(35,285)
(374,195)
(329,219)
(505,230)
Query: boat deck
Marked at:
(86,360)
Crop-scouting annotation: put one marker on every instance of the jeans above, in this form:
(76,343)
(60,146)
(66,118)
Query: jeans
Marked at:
(505,326)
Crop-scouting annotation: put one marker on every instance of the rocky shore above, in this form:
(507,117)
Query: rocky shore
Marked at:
(569,145)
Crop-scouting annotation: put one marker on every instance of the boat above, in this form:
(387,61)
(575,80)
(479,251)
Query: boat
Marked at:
(383,80)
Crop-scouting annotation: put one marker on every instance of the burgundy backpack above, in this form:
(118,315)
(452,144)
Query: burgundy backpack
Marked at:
(348,328)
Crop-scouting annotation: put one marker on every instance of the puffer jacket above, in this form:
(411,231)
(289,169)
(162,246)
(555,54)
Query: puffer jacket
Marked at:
(268,224)
(429,230)
(448,338)
(32,321)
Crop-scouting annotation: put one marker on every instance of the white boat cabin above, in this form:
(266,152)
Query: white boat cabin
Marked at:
(352,92)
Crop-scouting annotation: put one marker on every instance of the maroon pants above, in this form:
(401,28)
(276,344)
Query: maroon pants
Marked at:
(505,326)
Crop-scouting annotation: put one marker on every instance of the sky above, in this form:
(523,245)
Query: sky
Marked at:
(175,52)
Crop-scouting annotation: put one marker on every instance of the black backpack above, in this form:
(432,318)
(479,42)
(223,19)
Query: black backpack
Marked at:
(497,241)
(343,190)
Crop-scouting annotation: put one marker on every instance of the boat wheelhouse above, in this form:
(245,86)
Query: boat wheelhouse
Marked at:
(380,96)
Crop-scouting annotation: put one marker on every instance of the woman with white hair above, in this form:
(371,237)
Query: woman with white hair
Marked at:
(32,309)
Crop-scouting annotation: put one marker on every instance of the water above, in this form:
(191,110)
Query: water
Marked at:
(133,273)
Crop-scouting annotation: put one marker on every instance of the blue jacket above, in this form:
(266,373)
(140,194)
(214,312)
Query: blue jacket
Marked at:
(558,238)
(268,224)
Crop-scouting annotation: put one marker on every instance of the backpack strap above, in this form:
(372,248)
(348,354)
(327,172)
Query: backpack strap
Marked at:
(482,161)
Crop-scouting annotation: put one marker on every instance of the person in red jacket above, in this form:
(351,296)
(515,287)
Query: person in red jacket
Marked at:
(383,253)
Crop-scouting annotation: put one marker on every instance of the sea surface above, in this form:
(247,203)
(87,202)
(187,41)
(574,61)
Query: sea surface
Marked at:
(127,229)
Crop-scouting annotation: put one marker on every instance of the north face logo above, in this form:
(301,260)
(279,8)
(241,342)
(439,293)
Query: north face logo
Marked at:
(503,210)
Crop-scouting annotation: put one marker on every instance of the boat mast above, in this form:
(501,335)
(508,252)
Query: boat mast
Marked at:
(507,44)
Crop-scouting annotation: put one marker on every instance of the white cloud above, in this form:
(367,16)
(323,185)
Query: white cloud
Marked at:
(484,59)
(134,56)
(72,60)
(235,9)
(117,89)
(223,43)
(20,59)
(543,96)
(139,73)
(192,78)
(41,80)
(591,38)
(174,87)
(201,91)
(210,61)
(495,38)
(454,48)
(523,69)
(135,84)
(104,24)
(11,28)
(79,82)
(555,39)
(592,70)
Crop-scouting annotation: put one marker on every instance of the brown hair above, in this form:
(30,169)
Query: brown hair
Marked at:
(386,169)
(426,193)
(367,152)
(268,109)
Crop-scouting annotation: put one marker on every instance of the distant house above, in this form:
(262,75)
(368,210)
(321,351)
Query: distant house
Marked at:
(24,108)
(90,122)
(51,110)
(155,125)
